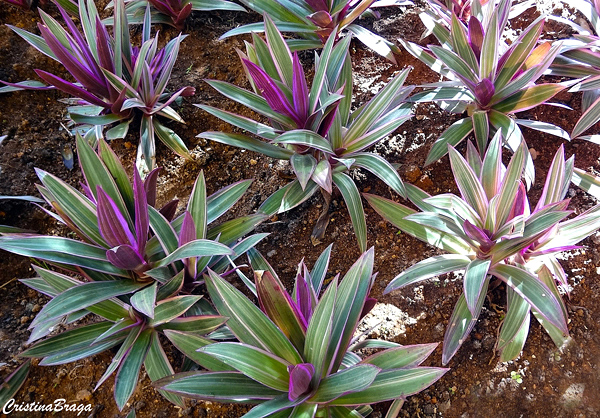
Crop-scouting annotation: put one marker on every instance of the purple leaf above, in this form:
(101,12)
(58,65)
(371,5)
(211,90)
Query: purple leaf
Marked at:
(81,44)
(317,5)
(554,250)
(478,235)
(277,304)
(300,90)
(518,207)
(183,14)
(92,82)
(70,88)
(321,18)
(304,297)
(142,222)
(105,54)
(300,377)
(270,91)
(126,258)
(169,210)
(188,229)
(484,91)
(150,186)
(112,224)
(475,36)
(368,306)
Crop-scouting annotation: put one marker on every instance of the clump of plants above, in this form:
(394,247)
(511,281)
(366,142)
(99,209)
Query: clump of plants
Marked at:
(115,81)
(488,79)
(296,354)
(491,232)
(137,266)
(316,20)
(174,12)
(314,129)
(26,4)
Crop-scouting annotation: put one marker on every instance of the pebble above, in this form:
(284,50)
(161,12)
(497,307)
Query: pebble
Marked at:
(83,395)
(24,319)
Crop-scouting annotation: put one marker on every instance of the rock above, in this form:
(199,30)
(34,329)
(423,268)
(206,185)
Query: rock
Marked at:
(83,395)
(573,396)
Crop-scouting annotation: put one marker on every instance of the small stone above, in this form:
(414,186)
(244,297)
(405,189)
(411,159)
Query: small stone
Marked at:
(272,253)
(412,174)
(24,319)
(83,395)
(36,308)
(253,162)
(533,153)
(29,307)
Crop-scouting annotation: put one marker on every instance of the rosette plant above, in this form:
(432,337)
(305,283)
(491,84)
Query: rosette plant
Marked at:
(26,4)
(174,12)
(464,9)
(137,266)
(314,129)
(579,59)
(491,232)
(295,355)
(316,20)
(114,80)
(488,79)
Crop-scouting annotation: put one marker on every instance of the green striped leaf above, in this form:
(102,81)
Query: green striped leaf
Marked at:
(474,282)
(451,136)
(351,380)
(169,309)
(246,142)
(189,343)
(392,384)
(353,203)
(534,292)
(127,376)
(253,362)
(157,366)
(217,386)
(84,295)
(247,322)
(426,269)
(461,323)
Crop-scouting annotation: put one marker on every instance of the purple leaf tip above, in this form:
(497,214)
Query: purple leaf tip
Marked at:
(300,377)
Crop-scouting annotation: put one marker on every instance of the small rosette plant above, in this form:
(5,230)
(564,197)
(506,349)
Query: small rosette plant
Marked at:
(488,79)
(316,20)
(579,59)
(173,12)
(114,80)
(464,9)
(137,264)
(490,231)
(295,355)
(314,129)
(26,4)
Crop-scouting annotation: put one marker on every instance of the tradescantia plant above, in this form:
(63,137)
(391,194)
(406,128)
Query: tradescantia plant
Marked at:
(114,80)
(26,4)
(490,231)
(295,355)
(173,12)
(316,20)
(579,59)
(464,9)
(488,79)
(138,265)
(313,128)
(123,235)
